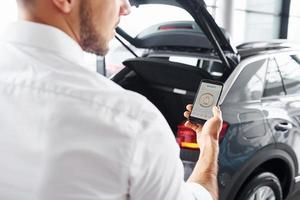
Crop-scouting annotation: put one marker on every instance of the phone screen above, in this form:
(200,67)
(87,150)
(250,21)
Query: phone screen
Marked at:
(207,97)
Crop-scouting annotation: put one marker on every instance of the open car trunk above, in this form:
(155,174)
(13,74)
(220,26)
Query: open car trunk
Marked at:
(171,86)
(168,85)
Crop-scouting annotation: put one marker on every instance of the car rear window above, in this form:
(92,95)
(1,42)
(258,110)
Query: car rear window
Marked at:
(214,67)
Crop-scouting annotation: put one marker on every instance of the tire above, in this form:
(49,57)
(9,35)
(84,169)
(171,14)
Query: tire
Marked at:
(264,186)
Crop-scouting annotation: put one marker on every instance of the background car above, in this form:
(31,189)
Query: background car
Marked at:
(259,143)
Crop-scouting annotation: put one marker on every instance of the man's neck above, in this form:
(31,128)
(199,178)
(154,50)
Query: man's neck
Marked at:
(57,22)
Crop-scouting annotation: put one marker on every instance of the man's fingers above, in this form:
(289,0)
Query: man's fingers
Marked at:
(190,125)
(217,112)
(186,114)
(195,127)
(189,107)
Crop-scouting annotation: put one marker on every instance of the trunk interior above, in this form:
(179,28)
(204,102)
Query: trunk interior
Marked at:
(168,85)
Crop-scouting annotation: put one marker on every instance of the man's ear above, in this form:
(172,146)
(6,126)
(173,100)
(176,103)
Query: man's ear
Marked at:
(64,6)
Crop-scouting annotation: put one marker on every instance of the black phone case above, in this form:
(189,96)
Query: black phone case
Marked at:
(199,120)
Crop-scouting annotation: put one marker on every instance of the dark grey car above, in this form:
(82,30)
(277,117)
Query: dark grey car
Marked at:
(260,138)
(261,146)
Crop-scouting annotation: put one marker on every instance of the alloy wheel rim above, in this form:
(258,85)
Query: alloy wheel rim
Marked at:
(263,193)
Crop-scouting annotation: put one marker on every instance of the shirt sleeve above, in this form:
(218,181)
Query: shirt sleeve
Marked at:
(156,171)
(198,191)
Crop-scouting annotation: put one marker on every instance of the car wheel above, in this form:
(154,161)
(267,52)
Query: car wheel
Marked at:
(264,186)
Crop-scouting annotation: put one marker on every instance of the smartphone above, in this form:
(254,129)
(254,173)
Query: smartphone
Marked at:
(208,96)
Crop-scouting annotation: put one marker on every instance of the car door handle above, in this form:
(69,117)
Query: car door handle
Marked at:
(283,126)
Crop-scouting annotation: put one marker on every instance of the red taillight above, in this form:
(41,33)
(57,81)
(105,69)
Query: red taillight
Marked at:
(187,138)
(225,126)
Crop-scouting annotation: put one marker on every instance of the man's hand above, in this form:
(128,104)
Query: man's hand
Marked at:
(206,169)
(211,128)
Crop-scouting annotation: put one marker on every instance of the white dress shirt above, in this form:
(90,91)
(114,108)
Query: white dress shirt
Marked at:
(67,133)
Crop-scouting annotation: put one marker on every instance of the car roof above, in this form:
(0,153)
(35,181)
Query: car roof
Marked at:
(265,47)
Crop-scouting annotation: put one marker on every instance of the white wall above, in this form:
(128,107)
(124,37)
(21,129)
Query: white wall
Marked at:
(249,20)
(241,25)
(294,22)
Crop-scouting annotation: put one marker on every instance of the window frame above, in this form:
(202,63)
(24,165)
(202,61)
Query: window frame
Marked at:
(281,80)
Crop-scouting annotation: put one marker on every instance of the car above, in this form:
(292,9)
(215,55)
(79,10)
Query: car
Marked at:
(260,137)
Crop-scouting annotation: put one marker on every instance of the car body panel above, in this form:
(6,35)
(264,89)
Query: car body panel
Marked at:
(283,114)
(283,153)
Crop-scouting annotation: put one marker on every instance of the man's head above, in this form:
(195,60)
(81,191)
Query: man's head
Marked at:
(91,23)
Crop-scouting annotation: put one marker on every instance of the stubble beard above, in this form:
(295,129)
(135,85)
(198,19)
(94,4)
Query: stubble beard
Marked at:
(90,40)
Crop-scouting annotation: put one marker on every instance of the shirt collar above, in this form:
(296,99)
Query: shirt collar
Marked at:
(44,37)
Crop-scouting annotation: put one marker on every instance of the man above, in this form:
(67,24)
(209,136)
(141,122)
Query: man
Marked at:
(67,133)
